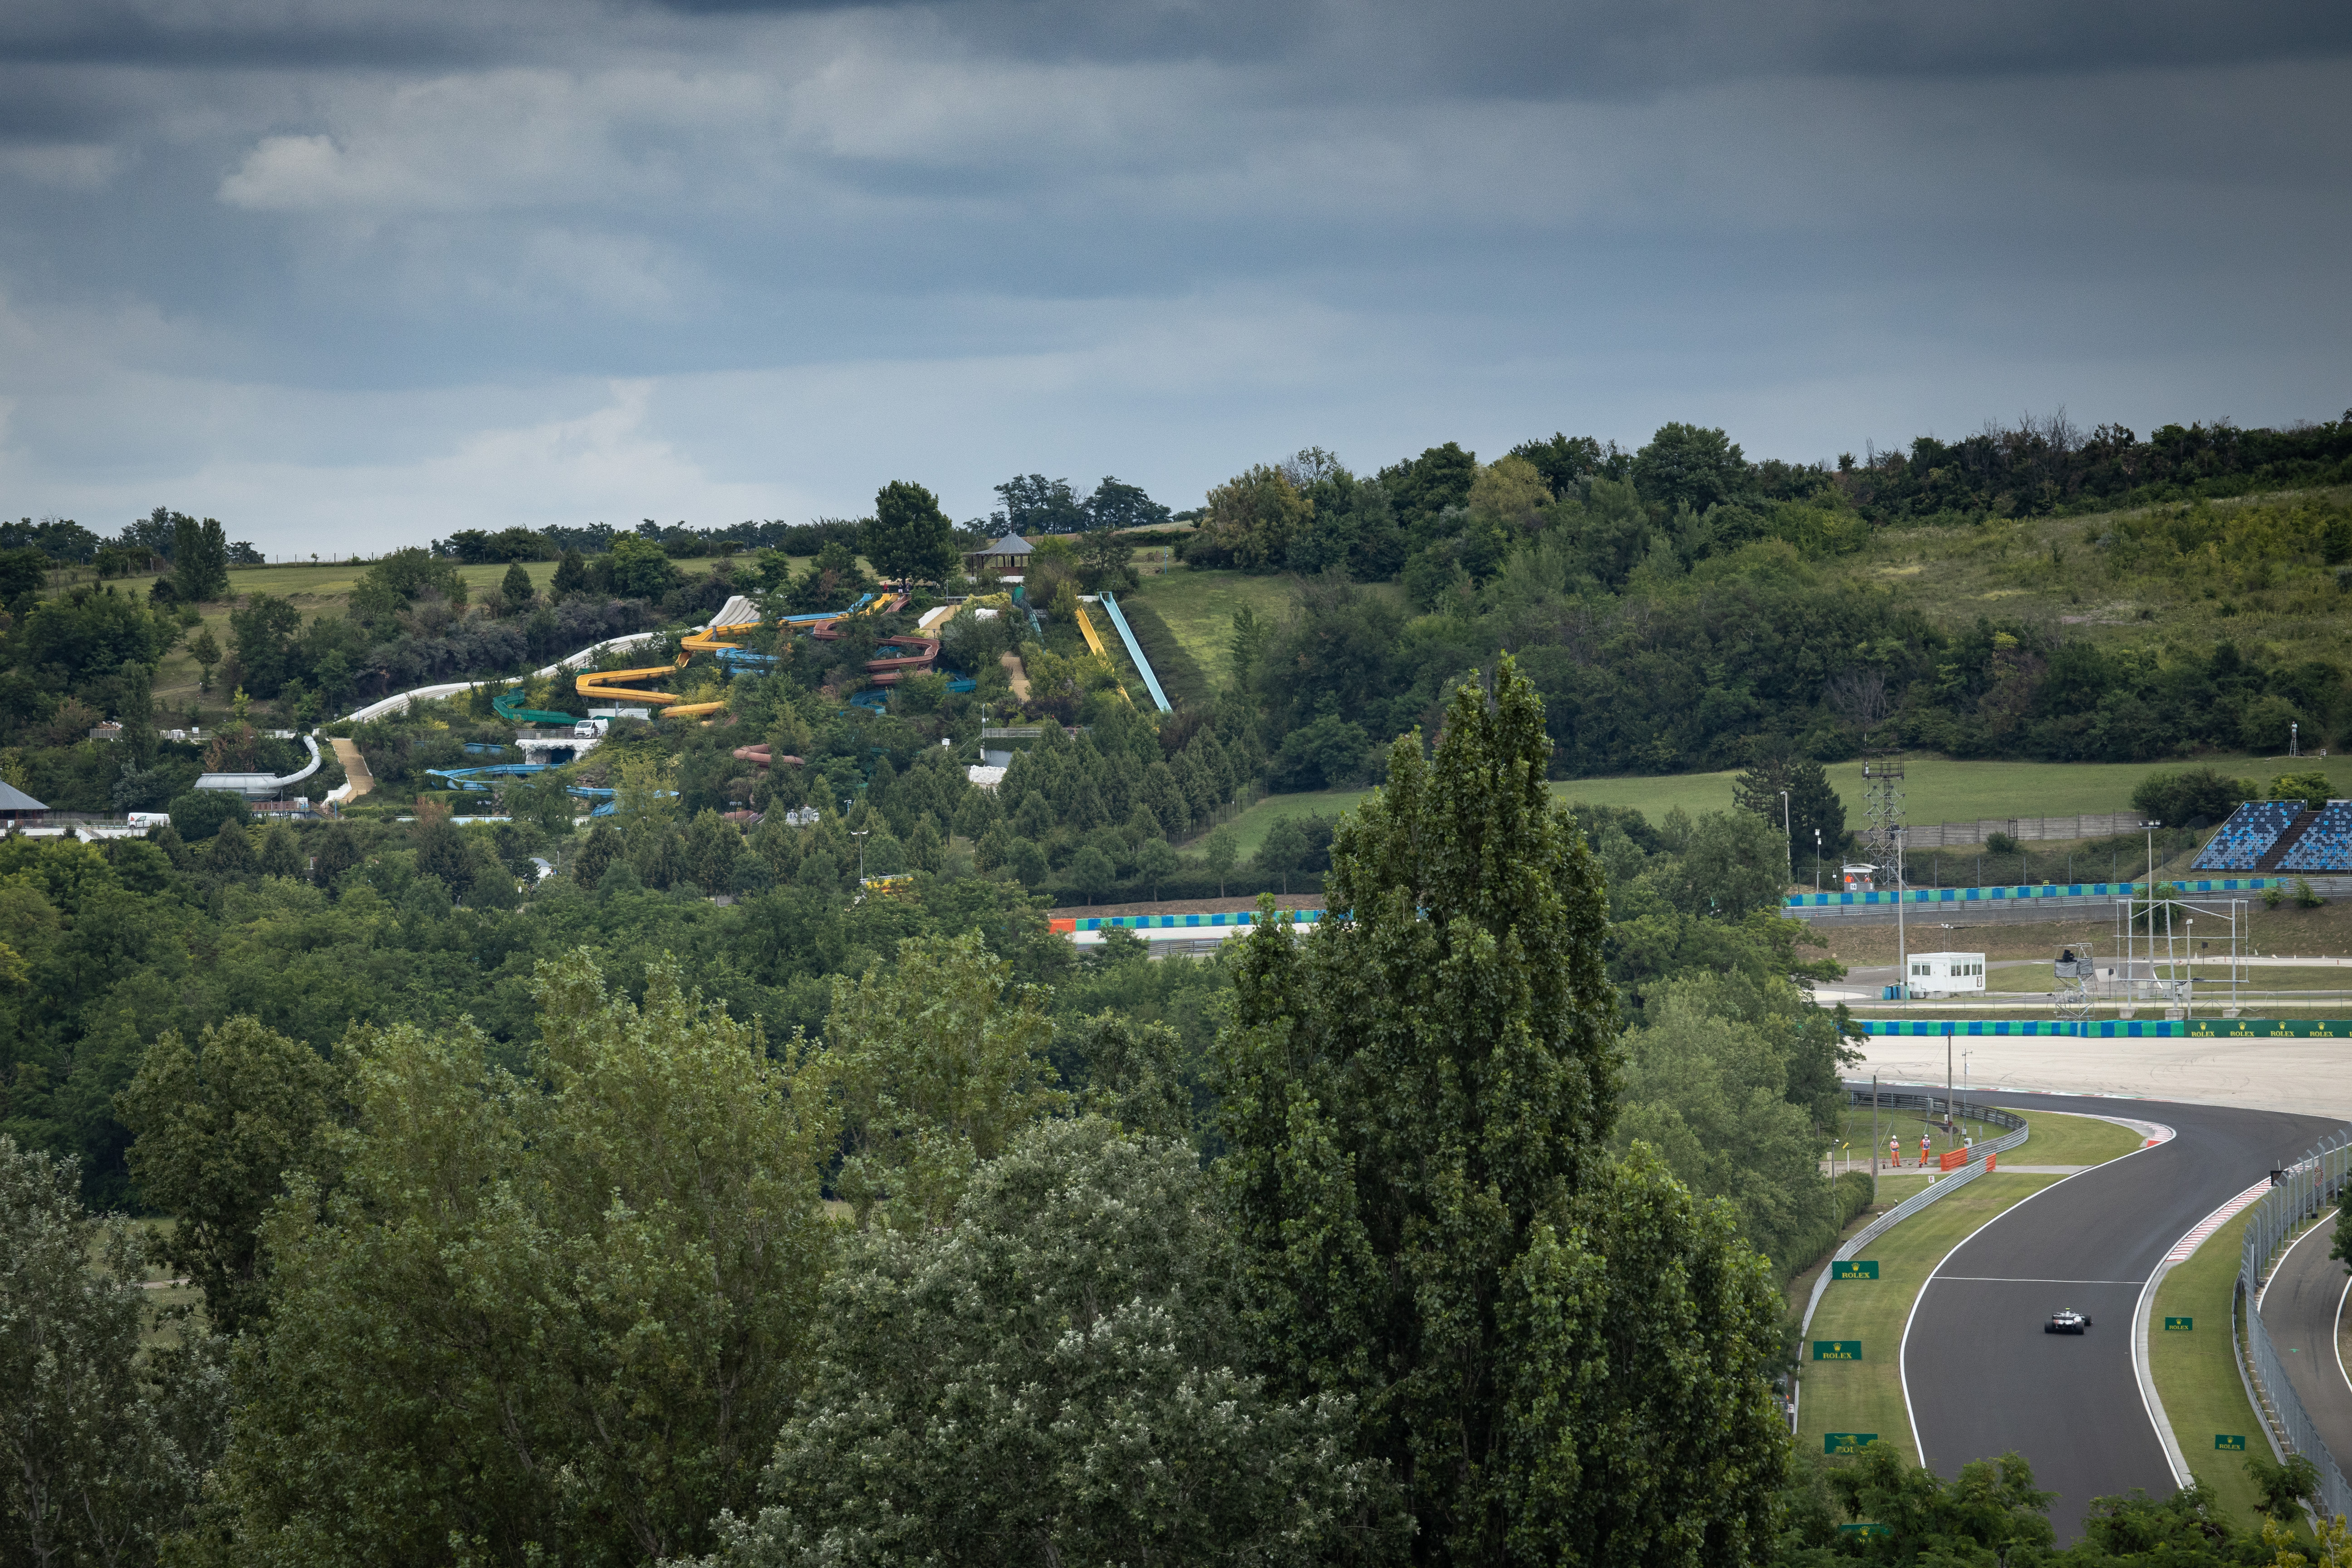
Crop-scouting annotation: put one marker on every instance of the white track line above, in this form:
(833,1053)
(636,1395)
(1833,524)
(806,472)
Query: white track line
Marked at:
(2280,1267)
(2337,1333)
(2028,1279)
(1903,1357)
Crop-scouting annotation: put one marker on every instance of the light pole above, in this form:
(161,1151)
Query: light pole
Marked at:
(859,834)
(2149,827)
(1817,859)
(1902,945)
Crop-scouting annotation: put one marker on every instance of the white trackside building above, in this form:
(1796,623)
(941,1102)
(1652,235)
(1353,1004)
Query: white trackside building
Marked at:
(1946,973)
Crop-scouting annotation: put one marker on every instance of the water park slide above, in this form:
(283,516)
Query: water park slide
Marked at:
(262,787)
(1093,641)
(474,779)
(1135,652)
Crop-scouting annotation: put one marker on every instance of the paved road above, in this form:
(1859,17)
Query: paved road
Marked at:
(2300,1305)
(1982,1376)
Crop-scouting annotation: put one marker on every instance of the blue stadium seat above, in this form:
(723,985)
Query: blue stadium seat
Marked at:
(2325,845)
(2247,836)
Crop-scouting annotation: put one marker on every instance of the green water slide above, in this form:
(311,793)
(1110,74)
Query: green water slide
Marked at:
(508,705)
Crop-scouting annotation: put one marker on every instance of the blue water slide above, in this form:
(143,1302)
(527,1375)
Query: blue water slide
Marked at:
(474,778)
(1135,652)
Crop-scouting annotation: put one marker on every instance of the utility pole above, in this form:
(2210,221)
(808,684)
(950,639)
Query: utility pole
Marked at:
(1902,945)
(1947,1083)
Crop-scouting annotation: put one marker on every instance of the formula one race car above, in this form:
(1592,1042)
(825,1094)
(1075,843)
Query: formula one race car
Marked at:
(2067,1321)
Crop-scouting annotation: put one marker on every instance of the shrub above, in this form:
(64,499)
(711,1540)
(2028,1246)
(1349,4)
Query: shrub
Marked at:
(199,814)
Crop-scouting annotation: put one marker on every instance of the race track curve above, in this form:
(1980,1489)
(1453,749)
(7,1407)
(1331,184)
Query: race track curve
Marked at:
(2299,1307)
(1982,1376)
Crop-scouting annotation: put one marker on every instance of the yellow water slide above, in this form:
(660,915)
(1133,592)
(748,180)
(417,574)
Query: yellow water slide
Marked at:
(1093,641)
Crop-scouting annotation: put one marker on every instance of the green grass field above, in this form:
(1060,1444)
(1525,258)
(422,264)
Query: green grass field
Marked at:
(1199,607)
(1937,791)
(2197,1376)
(2004,568)
(1867,1395)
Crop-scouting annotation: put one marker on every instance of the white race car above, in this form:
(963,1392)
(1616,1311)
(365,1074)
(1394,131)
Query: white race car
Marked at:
(2065,1321)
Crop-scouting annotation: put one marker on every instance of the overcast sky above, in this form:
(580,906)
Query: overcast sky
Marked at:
(353,273)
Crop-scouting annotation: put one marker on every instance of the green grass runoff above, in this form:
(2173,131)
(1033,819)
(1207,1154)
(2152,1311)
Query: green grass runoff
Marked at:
(1867,1395)
(2197,1375)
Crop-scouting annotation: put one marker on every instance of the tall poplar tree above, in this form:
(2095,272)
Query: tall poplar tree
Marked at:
(1557,1356)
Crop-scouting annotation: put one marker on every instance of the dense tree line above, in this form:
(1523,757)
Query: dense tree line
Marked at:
(565,1216)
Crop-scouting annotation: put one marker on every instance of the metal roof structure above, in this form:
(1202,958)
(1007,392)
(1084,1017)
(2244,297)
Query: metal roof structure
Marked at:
(14,801)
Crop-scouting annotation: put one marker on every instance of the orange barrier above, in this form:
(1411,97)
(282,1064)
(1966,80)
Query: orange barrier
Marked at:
(1954,1159)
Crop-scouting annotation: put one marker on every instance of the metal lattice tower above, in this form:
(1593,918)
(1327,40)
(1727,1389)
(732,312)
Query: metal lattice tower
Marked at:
(1882,808)
(2075,968)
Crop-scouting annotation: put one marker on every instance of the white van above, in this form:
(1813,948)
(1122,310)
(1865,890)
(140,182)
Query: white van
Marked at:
(1946,973)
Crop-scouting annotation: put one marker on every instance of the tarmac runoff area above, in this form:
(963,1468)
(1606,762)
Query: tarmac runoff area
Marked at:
(2307,1076)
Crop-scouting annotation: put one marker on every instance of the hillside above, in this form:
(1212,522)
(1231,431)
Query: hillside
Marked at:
(324,589)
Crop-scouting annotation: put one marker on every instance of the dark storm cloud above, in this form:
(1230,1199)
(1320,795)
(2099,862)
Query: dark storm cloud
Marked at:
(268,36)
(526,260)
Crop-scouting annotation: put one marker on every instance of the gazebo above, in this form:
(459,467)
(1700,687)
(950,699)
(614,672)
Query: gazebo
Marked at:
(18,809)
(1007,555)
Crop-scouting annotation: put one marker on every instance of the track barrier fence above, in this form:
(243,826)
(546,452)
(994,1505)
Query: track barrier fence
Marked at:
(2303,1192)
(1932,1107)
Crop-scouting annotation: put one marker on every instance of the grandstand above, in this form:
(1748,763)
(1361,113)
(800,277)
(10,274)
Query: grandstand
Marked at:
(2247,836)
(2326,844)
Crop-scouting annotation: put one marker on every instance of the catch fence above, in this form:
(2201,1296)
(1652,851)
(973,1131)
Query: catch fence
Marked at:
(2300,1193)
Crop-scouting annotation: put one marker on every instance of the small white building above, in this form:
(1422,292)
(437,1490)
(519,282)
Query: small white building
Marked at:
(1946,973)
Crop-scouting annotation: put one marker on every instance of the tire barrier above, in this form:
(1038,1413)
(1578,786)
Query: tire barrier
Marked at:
(2301,1193)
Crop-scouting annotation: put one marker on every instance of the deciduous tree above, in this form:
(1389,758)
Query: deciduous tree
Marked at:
(553,1316)
(1056,1378)
(100,1455)
(935,1062)
(909,537)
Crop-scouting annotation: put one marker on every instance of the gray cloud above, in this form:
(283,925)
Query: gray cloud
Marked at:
(370,261)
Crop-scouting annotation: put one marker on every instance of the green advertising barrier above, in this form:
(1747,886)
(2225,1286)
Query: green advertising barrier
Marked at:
(2227,1444)
(1837,1349)
(2178,1325)
(1847,1442)
(1854,1269)
(2113,1028)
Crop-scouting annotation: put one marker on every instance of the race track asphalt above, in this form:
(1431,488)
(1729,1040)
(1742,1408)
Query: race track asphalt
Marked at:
(2299,1308)
(1982,1376)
